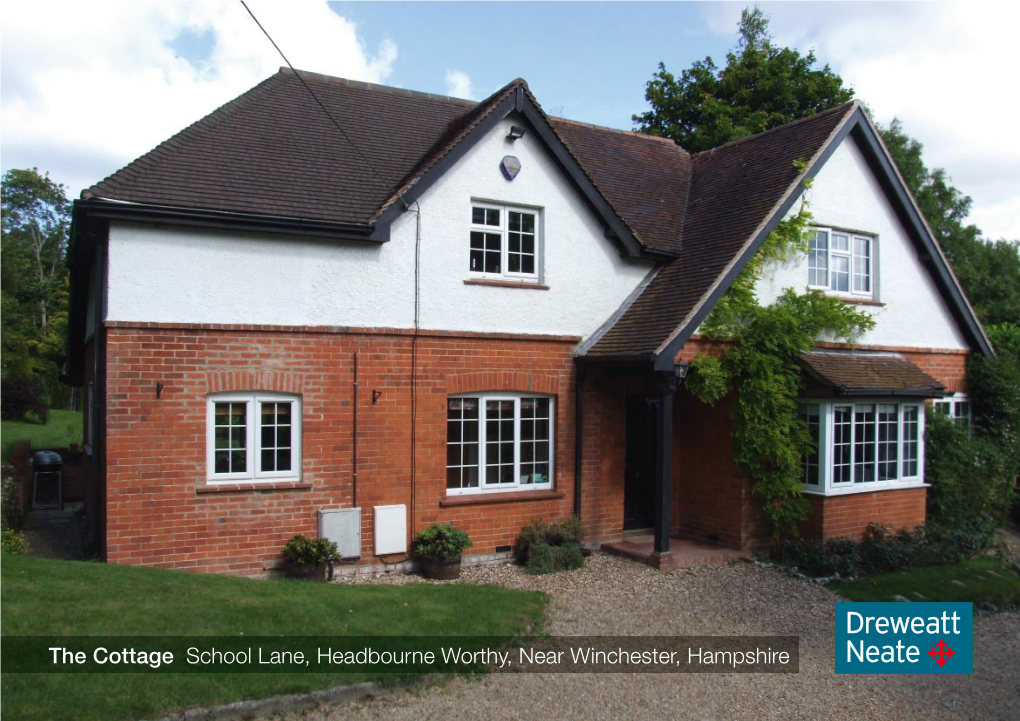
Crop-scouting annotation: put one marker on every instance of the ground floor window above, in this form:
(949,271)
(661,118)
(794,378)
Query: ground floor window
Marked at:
(497,442)
(956,407)
(254,437)
(862,445)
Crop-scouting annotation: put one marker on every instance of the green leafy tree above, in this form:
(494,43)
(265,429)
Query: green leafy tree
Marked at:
(760,87)
(33,278)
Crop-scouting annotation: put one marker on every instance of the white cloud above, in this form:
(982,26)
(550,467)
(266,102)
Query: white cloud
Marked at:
(458,84)
(945,69)
(86,88)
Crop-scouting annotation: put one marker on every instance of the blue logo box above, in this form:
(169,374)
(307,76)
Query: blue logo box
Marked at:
(904,638)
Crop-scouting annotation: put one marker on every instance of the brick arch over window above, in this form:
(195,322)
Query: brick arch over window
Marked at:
(500,381)
(261,380)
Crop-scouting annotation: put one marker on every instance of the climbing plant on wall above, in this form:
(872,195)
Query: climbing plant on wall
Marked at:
(760,365)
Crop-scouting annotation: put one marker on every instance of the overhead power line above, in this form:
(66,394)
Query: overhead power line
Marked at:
(343,132)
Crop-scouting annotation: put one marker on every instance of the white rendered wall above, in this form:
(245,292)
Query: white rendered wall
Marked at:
(165,274)
(846,195)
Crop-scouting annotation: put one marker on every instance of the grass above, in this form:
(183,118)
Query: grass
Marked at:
(977,581)
(50,598)
(63,428)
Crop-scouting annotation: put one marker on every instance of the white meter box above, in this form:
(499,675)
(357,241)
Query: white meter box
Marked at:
(390,529)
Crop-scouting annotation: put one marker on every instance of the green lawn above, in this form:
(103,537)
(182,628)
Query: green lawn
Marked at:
(64,428)
(977,580)
(48,598)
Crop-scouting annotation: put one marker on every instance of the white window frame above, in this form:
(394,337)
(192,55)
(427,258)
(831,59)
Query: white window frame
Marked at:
(950,406)
(827,435)
(504,230)
(484,487)
(851,255)
(253,447)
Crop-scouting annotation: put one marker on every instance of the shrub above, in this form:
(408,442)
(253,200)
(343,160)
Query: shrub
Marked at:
(10,508)
(813,558)
(541,559)
(440,540)
(971,477)
(21,393)
(302,550)
(565,532)
(13,542)
(884,551)
(547,547)
(532,535)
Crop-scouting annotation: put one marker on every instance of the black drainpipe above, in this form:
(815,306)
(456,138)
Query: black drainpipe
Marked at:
(578,434)
(354,439)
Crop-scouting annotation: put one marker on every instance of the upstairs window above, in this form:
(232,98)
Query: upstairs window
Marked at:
(504,242)
(254,437)
(841,262)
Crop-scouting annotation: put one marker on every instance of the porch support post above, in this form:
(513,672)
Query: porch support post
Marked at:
(667,385)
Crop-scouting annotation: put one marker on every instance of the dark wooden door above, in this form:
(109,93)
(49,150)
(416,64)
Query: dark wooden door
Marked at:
(639,481)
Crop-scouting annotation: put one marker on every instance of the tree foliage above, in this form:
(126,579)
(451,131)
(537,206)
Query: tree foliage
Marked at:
(33,278)
(760,87)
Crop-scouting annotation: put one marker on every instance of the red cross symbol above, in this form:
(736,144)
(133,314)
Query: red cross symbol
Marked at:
(941,653)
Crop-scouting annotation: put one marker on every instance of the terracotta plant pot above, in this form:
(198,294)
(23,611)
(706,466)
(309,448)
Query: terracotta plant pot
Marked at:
(440,569)
(314,572)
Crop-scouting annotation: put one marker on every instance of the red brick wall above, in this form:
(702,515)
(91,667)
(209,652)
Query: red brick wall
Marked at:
(159,511)
(847,516)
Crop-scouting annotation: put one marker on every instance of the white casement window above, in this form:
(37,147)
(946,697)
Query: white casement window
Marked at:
(253,437)
(841,262)
(957,407)
(504,242)
(863,445)
(498,442)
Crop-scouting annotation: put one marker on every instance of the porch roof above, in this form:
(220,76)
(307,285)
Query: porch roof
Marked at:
(855,373)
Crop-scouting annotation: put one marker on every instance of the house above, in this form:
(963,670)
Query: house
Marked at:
(417,308)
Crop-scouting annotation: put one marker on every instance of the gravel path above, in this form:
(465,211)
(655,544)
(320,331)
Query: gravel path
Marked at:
(611,596)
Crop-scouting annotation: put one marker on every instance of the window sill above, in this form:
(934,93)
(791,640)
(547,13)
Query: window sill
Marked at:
(247,487)
(868,488)
(861,301)
(478,499)
(506,283)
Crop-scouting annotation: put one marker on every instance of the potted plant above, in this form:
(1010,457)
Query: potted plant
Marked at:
(440,548)
(308,559)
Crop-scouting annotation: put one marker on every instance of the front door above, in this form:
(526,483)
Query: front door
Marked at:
(639,473)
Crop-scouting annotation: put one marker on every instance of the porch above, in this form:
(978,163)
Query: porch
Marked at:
(683,552)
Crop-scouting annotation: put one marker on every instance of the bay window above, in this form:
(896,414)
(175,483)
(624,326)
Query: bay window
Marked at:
(863,445)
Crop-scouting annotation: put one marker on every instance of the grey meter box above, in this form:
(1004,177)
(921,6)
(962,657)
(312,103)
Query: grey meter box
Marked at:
(343,527)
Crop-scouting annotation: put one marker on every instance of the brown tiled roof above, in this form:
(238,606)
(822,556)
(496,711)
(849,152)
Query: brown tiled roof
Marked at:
(643,177)
(855,373)
(272,151)
(734,190)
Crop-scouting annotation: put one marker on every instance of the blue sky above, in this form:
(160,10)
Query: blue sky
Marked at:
(85,88)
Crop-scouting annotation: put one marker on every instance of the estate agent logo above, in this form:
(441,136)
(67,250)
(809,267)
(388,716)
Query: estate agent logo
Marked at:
(904,638)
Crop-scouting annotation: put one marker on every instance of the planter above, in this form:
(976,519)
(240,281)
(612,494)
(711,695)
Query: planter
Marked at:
(315,572)
(440,569)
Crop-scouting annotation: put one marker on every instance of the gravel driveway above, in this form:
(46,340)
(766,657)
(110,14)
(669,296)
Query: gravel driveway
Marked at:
(611,596)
